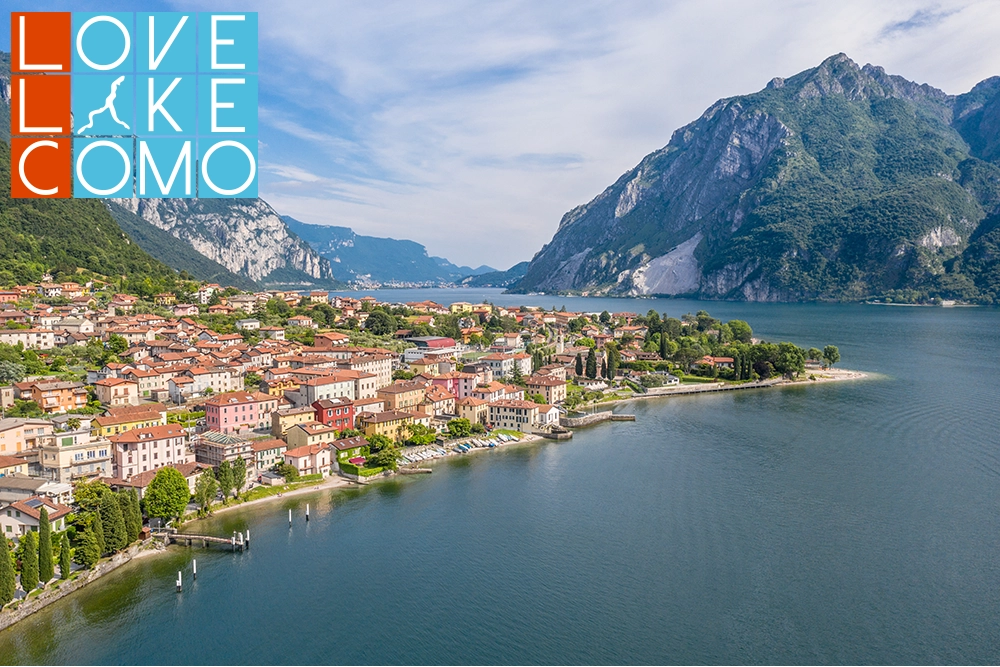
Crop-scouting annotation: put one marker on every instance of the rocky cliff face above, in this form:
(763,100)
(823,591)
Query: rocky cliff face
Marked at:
(838,183)
(245,236)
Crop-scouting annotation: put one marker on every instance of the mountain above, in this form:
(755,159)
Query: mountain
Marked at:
(497,278)
(245,236)
(356,257)
(842,182)
(181,256)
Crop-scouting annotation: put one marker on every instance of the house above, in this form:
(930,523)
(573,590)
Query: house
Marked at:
(516,415)
(552,389)
(69,455)
(18,434)
(273,333)
(402,395)
(185,310)
(310,459)
(504,365)
(437,401)
(12,465)
(286,418)
(117,391)
(22,487)
(150,382)
(248,324)
(368,405)
(165,299)
(56,396)
(268,453)
(335,412)
(21,516)
(30,339)
(303,321)
(311,433)
(126,417)
(331,339)
(476,410)
(239,410)
(391,423)
(212,448)
(141,481)
(348,449)
(717,362)
(458,383)
(429,344)
(143,449)
(335,385)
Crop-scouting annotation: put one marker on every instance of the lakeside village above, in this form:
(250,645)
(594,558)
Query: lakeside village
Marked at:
(122,413)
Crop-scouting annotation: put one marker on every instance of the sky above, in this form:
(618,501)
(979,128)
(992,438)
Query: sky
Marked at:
(472,127)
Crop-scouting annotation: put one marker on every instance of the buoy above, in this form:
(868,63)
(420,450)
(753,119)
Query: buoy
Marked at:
(178,581)
(194,565)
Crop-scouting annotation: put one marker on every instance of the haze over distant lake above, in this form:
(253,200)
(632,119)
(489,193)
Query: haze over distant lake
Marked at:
(850,522)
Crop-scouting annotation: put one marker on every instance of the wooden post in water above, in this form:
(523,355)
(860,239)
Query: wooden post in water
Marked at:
(289,518)
(194,565)
(248,538)
(178,581)
(307,511)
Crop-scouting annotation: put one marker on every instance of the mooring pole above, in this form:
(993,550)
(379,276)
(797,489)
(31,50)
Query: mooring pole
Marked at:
(194,565)
(289,518)
(307,511)
(248,538)
(178,581)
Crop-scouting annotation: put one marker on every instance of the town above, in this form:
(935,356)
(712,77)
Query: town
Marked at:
(122,414)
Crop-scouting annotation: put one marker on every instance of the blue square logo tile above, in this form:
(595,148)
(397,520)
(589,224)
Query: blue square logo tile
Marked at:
(165,42)
(102,167)
(228,167)
(165,105)
(103,42)
(227,42)
(165,168)
(227,105)
(103,104)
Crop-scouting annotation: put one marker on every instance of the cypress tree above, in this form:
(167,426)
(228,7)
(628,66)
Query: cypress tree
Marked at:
(46,569)
(664,348)
(592,364)
(136,510)
(8,579)
(29,561)
(115,537)
(125,503)
(64,558)
(579,364)
(604,369)
(89,551)
(98,528)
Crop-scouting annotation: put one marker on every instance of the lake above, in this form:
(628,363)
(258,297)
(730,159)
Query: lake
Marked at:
(850,522)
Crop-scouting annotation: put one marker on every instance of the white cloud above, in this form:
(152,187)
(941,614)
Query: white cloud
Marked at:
(472,127)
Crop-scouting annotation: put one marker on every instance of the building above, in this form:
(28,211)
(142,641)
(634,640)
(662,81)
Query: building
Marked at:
(310,459)
(56,396)
(312,433)
(437,401)
(348,449)
(19,517)
(430,344)
(284,419)
(403,395)
(141,481)
(121,420)
(12,465)
(236,411)
(268,453)
(335,412)
(21,487)
(248,324)
(551,388)
(31,339)
(18,434)
(212,448)
(391,423)
(69,455)
(320,388)
(142,449)
(515,415)
(150,382)
(117,391)
(507,365)
(476,410)
(459,384)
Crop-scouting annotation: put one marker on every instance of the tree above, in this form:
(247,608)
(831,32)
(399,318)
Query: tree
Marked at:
(459,428)
(378,442)
(205,489)
(419,434)
(133,496)
(605,317)
(65,557)
(664,346)
(8,578)
(73,423)
(831,354)
(814,354)
(604,369)
(579,364)
(741,331)
(224,474)
(117,344)
(29,561)
(287,471)
(89,551)
(591,364)
(387,457)
(614,357)
(88,494)
(11,372)
(124,499)
(381,323)
(251,381)
(115,535)
(98,528)
(239,470)
(46,570)
(168,494)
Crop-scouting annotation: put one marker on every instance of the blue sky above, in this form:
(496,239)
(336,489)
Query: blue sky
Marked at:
(472,127)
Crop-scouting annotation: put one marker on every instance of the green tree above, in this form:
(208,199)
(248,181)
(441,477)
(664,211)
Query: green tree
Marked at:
(168,494)
(136,510)
(29,561)
(239,470)
(46,569)
(117,344)
(579,364)
(591,364)
(124,499)
(814,354)
(614,357)
(8,578)
(224,475)
(459,428)
(378,442)
(88,494)
(387,457)
(741,331)
(11,372)
(205,489)
(604,369)
(64,557)
(605,317)
(831,354)
(287,471)
(381,323)
(98,528)
(115,535)
(251,381)
(664,346)
(89,551)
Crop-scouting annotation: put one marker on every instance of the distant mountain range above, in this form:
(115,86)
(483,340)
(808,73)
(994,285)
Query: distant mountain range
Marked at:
(507,278)
(841,182)
(384,260)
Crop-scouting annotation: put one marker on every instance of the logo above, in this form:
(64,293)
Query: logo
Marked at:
(120,104)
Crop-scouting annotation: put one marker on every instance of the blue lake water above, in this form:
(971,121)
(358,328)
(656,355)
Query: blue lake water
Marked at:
(851,522)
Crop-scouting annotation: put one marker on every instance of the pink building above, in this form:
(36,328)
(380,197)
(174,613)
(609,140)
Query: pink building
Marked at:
(236,411)
(458,384)
(144,449)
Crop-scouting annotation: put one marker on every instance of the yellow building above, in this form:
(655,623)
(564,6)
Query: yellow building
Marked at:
(460,307)
(108,425)
(425,367)
(476,410)
(403,395)
(20,434)
(392,424)
(283,420)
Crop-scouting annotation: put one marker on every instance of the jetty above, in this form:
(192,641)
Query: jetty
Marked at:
(237,541)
